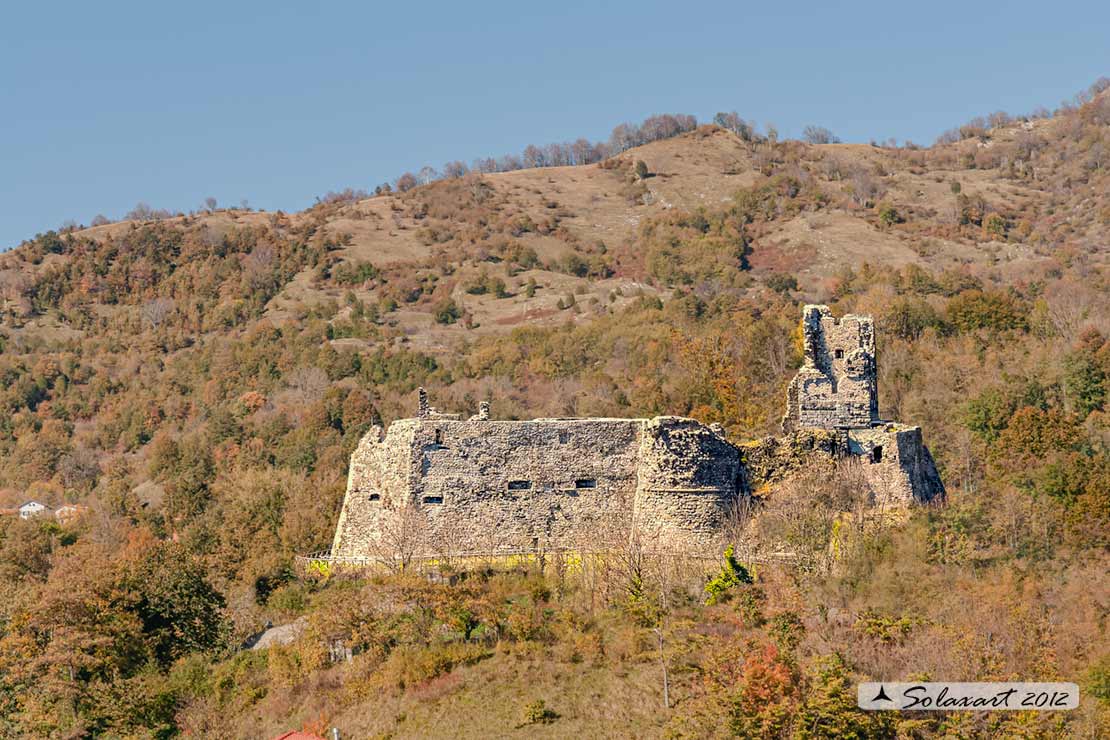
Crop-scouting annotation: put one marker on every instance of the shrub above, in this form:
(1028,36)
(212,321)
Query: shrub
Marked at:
(537,713)
(786,630)
(781,283)
(1098,680)
(289,599)
(994,226)
(731,576)
(483,283)
(353,273)
(573,264)
(830,707)
(888,215)
(410,666)
(883,628)
(446,312)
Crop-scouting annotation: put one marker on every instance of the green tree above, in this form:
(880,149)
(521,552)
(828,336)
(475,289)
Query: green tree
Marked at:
(888,215)
(186,469)
(179,609)
(1085,373)
(830,709)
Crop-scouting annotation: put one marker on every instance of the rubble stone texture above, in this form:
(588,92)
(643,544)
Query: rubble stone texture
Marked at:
(837,385)
(438,485)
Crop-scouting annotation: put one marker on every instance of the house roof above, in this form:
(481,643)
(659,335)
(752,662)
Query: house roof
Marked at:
(37,503)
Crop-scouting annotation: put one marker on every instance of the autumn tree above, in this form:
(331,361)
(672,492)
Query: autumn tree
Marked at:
(819,135)
(187,470)
(737,125)
(406,182)
(179,610)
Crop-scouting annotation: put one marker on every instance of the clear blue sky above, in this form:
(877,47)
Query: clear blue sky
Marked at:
(106,104)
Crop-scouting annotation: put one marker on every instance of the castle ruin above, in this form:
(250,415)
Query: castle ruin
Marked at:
(440,484)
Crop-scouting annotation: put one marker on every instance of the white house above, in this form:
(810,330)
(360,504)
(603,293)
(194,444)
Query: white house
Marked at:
(32,508)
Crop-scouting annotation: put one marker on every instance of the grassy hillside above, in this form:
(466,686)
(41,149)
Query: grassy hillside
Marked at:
(200,381)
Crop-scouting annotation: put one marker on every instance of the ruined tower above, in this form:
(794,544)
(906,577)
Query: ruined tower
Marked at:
(836,394)
(837,386)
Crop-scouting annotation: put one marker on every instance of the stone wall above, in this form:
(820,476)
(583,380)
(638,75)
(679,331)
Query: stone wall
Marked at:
(515,485)
(771,460)
(511,486)
(897,463)
(837,385)
(688,480)
(892,457)
(378,487)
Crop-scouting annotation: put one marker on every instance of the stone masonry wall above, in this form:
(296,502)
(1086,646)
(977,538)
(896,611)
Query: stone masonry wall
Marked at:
(513,485)
(837,384)
(892,457)
(897,463)
(510,486)
(688,480)
(377,487)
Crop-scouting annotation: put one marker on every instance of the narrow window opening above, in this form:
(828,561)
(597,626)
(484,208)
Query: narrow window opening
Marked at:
(564,437)
(877,454)
(433,499)
(520,485)
(839,354)
(439,437)
(585,483)
(375,497)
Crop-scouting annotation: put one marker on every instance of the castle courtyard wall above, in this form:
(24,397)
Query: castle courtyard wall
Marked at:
(514,485)
(511,486)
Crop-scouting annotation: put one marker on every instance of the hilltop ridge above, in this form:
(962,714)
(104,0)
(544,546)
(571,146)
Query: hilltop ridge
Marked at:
(587,230)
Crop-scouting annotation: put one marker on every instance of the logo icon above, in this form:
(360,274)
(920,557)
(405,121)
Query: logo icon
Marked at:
(881,696)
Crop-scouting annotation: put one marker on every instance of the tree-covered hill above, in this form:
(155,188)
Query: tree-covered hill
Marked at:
(198,382)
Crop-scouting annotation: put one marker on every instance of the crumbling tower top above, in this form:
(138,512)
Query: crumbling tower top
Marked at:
(837,385)
(424,411)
